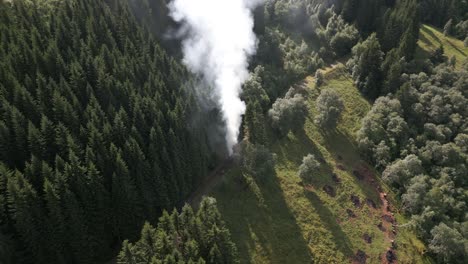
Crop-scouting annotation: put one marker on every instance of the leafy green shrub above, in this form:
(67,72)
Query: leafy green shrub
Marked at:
(308,167)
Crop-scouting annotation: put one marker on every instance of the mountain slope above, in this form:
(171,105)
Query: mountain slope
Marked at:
(282,221)
(431,38)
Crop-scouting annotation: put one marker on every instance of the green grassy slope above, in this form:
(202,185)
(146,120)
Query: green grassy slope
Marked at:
(281,221)
(431,38)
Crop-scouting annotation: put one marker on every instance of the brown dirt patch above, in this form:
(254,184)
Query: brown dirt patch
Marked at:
(390,256)
(381,227)
(371,203)
(350,213)
(358,175)
(365,171)
(356,201)
(388,224)
(309,187)
(329,190)
(367,238)
(388,218)
(360,257)
(341,167)
(335,178)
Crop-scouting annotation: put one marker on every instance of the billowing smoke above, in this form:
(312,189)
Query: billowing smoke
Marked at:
(218,41)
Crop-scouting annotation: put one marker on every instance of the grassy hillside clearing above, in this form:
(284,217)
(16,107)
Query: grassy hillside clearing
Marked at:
(431,38)
(282,221)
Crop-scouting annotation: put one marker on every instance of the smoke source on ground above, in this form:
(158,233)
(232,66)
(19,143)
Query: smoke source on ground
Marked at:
(218,42)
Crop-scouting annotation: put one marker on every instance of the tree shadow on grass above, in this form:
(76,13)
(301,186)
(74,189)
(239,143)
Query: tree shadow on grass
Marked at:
(343,243)
(424,39)
(422,54)
(293,148)
(270,230)
(345,151)
(432,34)
(341,145)
(296,147)
(456,48)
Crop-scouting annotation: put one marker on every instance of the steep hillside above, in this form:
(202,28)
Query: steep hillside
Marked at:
(430,38)
(336,219)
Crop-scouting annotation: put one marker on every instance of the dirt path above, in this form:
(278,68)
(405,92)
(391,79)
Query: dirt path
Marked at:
(209,183)
(388,224)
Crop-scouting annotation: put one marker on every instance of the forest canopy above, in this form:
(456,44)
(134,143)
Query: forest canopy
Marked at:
(105,133)
(93,129)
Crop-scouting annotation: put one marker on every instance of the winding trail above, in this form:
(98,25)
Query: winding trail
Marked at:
(388,224)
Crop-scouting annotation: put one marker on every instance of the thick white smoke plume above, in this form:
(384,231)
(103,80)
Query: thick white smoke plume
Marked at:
(219,41)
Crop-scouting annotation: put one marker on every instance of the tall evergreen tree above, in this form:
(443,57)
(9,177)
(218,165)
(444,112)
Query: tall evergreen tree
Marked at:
(366,66)
(184,237)
(28,216)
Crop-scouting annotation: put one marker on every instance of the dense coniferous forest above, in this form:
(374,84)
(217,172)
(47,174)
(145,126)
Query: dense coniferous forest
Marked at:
(94,135)
(185,237)
(103,132)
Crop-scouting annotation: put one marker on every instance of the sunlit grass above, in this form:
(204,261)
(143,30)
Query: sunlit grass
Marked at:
(294,224)
(431,38)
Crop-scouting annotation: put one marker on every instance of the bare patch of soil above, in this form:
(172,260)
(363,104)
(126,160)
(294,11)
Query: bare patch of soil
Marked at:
(360,257)
(350,213)
(329,190)
(388,225)
(356,201)
(381,227)
(367,238)
(309,187)
(390,256)
(388,218)
(358,175)
(363,172)
(335,178)
(341,167)
(371,203)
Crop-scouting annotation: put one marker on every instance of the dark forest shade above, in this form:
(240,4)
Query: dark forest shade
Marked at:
(95,135)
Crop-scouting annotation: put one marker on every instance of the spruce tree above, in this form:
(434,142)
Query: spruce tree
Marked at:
(28,215)
(125,200)
(366,66)
(183,237)
(94,116)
